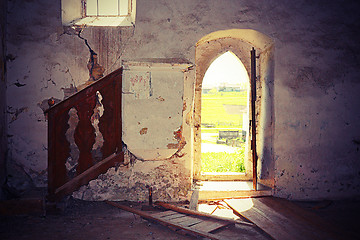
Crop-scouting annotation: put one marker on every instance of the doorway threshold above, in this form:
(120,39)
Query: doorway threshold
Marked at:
(215,190)
(228,176)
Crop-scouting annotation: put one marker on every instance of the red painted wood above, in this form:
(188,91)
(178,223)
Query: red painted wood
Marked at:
(59,151)
(89,174)
(110,126)
(85,133)
(107,121)
(84,93)
(118,117)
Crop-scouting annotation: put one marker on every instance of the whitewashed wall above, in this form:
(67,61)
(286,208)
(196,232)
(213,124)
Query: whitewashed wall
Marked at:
(316,139)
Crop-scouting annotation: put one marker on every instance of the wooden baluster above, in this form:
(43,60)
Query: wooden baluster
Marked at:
(107,121)
(85,133)
(110,122)
(59,149)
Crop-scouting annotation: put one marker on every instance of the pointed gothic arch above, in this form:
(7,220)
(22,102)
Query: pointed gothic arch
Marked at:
(240,42)
(228,108)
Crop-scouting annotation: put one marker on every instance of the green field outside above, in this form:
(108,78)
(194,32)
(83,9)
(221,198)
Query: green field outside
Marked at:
(214,116)
(213,111)
(223,161)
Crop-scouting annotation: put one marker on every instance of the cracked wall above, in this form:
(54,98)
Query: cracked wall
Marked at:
(131,183)
(316,83)
(152,108)
(155,133)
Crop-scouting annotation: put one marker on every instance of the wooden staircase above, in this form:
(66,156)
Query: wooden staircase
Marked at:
(106,93)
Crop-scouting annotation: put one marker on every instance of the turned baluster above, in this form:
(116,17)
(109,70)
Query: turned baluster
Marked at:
(85,133)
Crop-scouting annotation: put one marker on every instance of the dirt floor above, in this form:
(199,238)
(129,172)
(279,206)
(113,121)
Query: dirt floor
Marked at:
(98,220)
(84,220)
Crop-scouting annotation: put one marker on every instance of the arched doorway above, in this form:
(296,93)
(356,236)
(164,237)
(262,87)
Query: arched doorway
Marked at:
(224,115)
(239,42)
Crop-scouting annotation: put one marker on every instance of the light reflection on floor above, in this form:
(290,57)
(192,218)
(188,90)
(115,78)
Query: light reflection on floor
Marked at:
(221,209)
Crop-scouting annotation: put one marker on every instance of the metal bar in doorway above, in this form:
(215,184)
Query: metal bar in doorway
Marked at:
(253,117)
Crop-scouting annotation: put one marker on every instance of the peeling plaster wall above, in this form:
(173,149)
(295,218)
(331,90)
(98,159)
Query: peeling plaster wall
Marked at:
(316,116)
(152,109)
(155,132)
(131,183)
(316,147)
(43,60)
(3,142)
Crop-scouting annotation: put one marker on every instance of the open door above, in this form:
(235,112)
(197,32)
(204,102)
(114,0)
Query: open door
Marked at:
(224,117)
(259,175)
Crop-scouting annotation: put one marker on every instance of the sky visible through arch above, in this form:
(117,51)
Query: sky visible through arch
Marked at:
(224,70)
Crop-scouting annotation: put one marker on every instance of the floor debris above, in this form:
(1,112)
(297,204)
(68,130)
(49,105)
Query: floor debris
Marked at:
(192,222)
(282,219)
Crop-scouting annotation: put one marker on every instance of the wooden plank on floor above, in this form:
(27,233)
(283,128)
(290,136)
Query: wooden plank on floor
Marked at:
(289,209)
(197,213)
(210,225)
(293,211)
(261,221)
(276,224)
(271,224)
(164,214)
(179,220)
(174,216)
(307,227)
(186,220)
(308,219)
(164,222)
(189,221)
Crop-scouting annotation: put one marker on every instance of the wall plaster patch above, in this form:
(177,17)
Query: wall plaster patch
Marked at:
(140,84)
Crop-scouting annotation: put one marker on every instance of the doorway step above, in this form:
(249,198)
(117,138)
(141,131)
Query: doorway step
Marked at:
(209,190)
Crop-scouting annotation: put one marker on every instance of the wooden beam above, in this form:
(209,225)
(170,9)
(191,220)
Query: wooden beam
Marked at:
(164,222)
(194,200)
(197,213)
(84,93)
(89,174)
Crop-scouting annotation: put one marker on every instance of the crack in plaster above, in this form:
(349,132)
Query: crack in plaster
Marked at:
(15,113)
(122,49)
(95,70)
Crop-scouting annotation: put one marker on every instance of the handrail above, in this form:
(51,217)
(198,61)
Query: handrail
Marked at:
(91,89)
(109,124)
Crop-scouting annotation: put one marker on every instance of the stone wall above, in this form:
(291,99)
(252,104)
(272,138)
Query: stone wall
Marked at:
(3,144)
(315,139)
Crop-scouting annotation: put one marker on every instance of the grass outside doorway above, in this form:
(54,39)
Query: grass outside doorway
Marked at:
(223,161)
(214,117)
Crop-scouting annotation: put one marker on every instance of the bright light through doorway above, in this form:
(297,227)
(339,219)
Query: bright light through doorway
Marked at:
(227,68)
(224,115)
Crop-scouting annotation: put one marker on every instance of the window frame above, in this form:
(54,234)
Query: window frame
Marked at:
(73,13)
